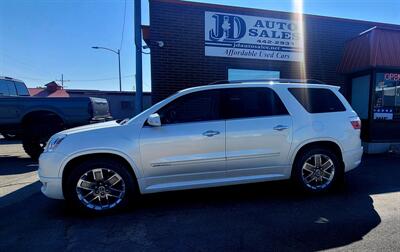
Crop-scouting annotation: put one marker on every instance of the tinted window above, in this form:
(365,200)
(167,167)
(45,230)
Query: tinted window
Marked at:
(317,100)
(11,88)
(4,88)
(21,89)
(252,102)
(194,107)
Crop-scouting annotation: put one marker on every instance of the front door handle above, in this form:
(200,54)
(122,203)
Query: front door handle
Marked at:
(280,127)
(210,133)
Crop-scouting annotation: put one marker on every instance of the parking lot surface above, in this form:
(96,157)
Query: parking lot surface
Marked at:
(362,215)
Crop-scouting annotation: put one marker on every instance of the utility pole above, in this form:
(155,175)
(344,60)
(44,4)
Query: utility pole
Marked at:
(62,80)
(138,43)
(119,70)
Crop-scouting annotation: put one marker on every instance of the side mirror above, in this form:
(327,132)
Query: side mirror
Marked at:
(154,120)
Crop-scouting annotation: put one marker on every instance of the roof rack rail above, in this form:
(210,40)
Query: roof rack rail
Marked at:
(309,81)
(9,78)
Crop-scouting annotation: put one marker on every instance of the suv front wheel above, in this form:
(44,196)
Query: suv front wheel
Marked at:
(99,185)
(317,170)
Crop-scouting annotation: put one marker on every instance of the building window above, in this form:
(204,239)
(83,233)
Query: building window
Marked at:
(248,74)
(360,95)
(387,96)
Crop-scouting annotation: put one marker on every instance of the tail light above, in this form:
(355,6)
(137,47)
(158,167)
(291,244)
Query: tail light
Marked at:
(356,123)
(90,110)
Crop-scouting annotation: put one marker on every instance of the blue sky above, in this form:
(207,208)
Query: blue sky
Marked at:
(42,39)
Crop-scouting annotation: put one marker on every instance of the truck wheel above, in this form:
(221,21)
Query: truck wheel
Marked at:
(317,170)
(36,134)
(34,142)
(99,185)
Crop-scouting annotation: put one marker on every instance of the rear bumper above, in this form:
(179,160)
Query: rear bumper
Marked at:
(352,158)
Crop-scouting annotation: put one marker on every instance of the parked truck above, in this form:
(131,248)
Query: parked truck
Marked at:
(36,119)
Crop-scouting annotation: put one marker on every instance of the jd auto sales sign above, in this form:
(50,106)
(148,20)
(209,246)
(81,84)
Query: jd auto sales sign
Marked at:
(240,36)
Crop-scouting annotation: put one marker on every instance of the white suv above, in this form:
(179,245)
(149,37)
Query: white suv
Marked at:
(207,136)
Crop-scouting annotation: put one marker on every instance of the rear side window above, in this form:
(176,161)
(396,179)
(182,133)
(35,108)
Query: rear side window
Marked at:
(4,88)
(21,89)
(252,102)
(11,88)
(194,107)
(317,100)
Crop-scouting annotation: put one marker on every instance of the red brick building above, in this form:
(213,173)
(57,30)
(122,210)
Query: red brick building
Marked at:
(51,89)
(197,43)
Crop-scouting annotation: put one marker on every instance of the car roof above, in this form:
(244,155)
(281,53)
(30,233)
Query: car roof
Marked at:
(253,84)
(10,79)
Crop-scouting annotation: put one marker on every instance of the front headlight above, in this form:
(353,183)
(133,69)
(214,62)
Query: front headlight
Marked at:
(54,142)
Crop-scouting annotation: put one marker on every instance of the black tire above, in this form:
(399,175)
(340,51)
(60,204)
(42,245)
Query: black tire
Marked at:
(308,155)
(33,142)
(73,177)
(37,133)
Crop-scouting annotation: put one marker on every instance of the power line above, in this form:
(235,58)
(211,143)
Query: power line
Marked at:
(123,27)
(83,80)
(104,79)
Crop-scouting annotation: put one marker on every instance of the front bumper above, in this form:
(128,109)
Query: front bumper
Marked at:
(352,158)
(49,167)
(52,187)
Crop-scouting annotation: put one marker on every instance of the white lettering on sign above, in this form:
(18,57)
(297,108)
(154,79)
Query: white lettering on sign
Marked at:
(241,36)
(392,76)
(383,114)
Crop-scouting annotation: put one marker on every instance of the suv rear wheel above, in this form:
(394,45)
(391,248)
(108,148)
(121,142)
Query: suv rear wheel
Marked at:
(317,170)
(99,185)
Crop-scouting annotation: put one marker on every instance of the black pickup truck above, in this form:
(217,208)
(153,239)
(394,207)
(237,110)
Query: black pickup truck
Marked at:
(36,119)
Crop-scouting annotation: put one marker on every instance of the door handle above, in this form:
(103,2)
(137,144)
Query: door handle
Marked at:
(280,127)
(210,133)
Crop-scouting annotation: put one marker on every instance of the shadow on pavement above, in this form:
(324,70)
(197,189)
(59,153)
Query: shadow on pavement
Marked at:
(5,142)
(264,216)
(10,165)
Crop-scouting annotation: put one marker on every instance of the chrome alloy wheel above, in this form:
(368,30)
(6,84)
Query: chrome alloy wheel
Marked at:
(318,171)
(100,189)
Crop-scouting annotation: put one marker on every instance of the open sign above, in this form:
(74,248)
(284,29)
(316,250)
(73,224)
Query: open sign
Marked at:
(392,76)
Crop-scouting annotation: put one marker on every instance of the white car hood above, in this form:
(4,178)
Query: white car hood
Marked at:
(90,127)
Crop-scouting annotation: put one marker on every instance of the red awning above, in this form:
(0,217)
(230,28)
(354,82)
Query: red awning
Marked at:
(376,47)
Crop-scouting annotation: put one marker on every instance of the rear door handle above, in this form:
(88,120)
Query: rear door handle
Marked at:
(210,133)
(280,127)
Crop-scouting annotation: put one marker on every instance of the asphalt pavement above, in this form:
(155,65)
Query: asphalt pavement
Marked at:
(363,215)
